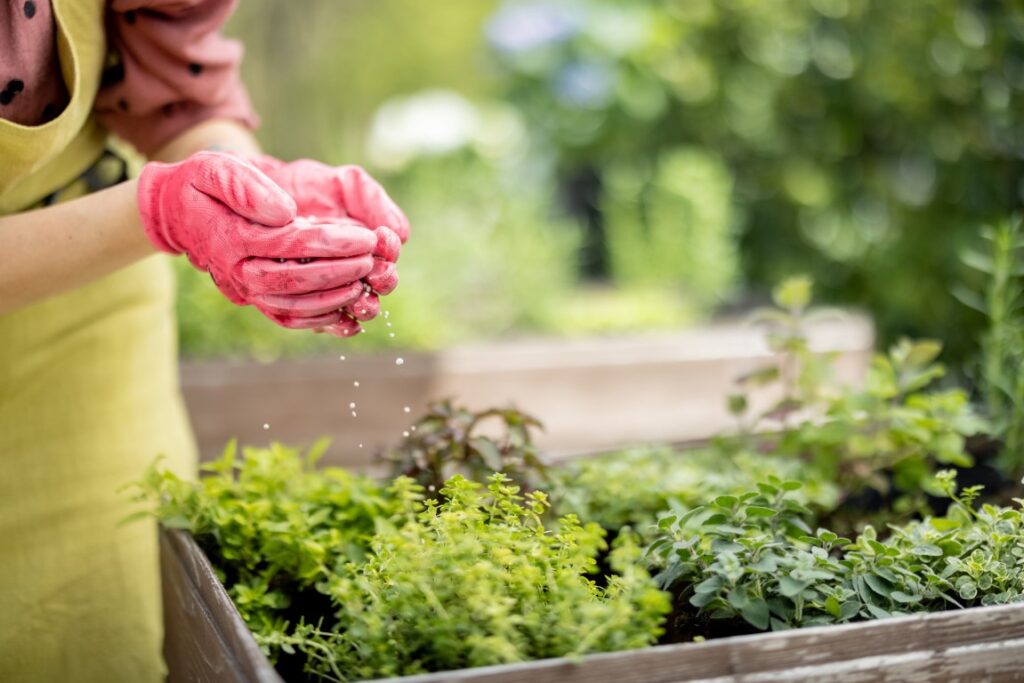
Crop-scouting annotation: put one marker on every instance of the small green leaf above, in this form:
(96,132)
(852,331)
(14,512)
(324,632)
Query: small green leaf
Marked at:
(907,598)
(725,501)
(791,587)
(878,585)
(878,612)
(756,613)
(968,590)
(737,404)
(488,451)
(738,599)
(709,585)
(793,293)
(849,610)
(701,600)
(722,546)
(927,550)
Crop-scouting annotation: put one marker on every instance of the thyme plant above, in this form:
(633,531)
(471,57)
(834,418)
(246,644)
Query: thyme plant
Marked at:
(340,579)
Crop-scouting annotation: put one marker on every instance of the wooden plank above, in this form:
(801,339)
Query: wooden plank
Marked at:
(995,661)
(193,646)
(205,638)
(592,394)
(983,642)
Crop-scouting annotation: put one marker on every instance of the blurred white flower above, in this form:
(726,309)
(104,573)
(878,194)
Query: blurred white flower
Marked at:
(437,122)
(429,123)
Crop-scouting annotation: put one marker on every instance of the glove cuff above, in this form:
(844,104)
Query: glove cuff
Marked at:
(148,195)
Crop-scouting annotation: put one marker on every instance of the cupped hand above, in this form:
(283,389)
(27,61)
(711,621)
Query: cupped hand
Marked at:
(336,192)
(234,222)
(347,192)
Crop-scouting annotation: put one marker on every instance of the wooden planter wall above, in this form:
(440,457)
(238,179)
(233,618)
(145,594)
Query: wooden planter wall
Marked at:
(207,642)
(592,394)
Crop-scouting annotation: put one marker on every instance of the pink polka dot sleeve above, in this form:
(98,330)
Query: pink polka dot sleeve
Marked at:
(169,69)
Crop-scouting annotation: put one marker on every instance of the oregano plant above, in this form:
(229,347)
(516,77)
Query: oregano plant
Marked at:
(755,558)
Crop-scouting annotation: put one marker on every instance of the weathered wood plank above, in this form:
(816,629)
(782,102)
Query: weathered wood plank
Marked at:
(593,394)
(984,643)
(205,638)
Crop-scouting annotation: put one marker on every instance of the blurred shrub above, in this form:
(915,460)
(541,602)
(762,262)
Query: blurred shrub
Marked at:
(865,137)
(317,70)
(672,224)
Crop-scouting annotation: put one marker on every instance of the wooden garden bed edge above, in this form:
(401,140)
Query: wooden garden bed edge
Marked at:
(932,646)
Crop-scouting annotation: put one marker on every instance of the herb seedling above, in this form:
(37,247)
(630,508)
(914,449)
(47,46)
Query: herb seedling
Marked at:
(451,439)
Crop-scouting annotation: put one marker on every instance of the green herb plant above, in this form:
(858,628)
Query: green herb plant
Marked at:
(754,557)
(343,580)
(273,527)
(1002,344)
(888,436)
(476,579)
(631,488)
(801,374)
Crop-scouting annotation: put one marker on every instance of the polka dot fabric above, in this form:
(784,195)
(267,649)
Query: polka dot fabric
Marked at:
(32,89)
(172,69)
(169,68)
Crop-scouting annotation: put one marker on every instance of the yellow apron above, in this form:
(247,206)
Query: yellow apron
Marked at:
(88,397)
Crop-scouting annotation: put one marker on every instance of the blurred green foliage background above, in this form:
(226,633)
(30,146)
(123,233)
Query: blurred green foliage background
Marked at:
(574,166)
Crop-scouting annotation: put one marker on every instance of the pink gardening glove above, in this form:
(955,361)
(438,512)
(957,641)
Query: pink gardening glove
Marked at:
(347,191)
(238,225)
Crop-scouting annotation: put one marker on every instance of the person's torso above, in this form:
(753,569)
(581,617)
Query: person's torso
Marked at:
(38,159)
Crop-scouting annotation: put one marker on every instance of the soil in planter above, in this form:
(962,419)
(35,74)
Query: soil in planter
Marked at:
(684,625)
(307,605)
(313,607)
(871,506)
(999,488)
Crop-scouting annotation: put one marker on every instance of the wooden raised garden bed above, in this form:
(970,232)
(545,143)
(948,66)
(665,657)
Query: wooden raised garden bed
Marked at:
(749,558)
(207,641)
(594,394)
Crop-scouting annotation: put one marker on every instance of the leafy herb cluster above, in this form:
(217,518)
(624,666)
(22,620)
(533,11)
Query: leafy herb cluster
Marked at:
(1001,373)
(272,524)
(888,436)
(478,579)
(632,487)
(451,439)
(755,557)
(345,580)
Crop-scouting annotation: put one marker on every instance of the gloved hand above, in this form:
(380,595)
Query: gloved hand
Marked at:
(347,191)
(336,192)
(238,225)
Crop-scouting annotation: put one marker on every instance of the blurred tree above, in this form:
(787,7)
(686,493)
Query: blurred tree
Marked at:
(318,69)
(867,138)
